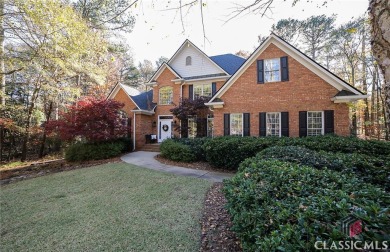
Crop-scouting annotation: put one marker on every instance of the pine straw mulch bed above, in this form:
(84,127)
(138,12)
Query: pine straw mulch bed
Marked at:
(36,170)
(195,165)
(216,224)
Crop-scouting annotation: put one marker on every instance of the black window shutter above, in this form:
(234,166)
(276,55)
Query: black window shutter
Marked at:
(184,128)
(262,124)
(302,123)
(213,88)
(201,127)
(247,124)
(226,124)
(329,121)
(284,68)
(190,92)
(284,123)
(260,71)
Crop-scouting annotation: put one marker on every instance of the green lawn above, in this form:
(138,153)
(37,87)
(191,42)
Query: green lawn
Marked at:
(112,207)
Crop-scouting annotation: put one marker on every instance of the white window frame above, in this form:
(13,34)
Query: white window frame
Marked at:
(190,129)
(280,70)
(202,92)
(209,118)
(280,123)
(169,101)
(242,124)
(322,123)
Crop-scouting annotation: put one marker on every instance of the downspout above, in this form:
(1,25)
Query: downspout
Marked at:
(181,97)
(134,134)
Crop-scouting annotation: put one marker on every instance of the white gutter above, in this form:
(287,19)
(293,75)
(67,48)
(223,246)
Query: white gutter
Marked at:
(143,112)
(204,79)
(348,98)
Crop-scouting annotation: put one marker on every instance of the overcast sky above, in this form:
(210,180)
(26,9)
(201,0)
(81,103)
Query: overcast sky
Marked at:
(159,32)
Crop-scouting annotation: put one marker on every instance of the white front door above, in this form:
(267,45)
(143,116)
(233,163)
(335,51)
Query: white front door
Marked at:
(165,129)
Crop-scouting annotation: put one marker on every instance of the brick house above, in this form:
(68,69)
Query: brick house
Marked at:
(277,91)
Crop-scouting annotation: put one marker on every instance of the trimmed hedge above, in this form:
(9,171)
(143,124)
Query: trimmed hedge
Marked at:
(196,146)
(95,151)
(176,151)
(370,169)
(335,143)
(234,150)
(281,206)
(229,151)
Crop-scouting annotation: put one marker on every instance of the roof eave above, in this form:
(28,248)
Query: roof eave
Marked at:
(349,98)
(215,104)
(143,112)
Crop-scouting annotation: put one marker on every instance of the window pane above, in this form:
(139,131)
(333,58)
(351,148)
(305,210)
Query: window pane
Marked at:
(272,70)
(210,127)
(314,123)
(197,91)
(204,90)
(236,124)
(192,127)
(166,94)
(207,90)
(273,124)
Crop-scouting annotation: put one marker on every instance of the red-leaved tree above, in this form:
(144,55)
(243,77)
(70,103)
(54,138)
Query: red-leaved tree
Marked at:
(91,119)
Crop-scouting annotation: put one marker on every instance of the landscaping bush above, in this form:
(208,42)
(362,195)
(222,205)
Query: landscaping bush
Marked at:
(176,151)
(335,143)
(196,146)
(375,170)
(281,206)
(94,151)
(229,151)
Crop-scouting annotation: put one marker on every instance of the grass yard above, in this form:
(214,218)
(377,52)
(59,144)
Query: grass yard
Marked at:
(111,207)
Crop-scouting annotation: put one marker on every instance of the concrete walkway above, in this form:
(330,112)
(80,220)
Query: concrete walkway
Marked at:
(146,159)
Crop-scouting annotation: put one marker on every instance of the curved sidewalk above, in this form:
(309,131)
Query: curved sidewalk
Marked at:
(146,159)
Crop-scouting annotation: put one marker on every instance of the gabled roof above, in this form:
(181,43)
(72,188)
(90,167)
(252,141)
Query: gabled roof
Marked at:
(144,101)
(128,90)
(293,52)
(187,42)
(161,69)
(229,62)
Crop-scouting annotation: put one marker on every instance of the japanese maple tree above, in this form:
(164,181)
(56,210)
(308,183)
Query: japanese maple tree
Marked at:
(91,119)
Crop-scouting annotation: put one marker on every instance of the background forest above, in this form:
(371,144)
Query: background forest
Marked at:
(53,52)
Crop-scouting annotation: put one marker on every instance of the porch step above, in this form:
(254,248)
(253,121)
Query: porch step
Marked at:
(151,148)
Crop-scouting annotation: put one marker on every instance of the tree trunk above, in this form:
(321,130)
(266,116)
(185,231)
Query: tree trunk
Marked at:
(364,77)
(28,123)
(43,142)
(2,66)
(380,43)
(373,95)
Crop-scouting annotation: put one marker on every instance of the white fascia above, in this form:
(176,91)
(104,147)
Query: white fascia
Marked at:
(349,98)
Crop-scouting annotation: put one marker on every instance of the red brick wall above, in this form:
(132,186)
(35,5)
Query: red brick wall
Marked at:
(304,91)
(143,127)
(121,96)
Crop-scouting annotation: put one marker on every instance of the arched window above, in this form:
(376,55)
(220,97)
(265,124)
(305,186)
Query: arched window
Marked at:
(188,61)
(166,95)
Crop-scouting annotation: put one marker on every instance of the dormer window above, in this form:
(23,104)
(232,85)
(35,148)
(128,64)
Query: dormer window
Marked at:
(188,61)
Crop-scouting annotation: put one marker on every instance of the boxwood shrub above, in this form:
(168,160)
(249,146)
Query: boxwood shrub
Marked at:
(375,170)
(229,151)
(196,146)
(176,151)
(335,143)
(95,151)
(281,206)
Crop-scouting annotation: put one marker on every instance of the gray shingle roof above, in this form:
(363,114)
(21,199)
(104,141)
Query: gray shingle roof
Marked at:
(228,62)
(144,100)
